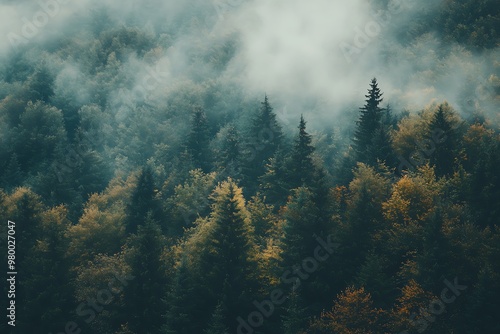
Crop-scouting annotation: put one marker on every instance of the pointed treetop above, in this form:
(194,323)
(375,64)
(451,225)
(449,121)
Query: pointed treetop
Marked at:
(374,96)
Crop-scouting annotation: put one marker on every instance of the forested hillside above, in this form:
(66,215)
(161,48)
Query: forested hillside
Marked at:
(253,166)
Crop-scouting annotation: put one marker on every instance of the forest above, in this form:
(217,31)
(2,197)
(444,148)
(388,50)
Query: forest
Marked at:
(250,166)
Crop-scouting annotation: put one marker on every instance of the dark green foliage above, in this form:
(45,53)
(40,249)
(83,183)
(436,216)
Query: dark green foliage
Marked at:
(375,276)
(226,265)
(372,140)
(294,319)
(473,23)
(303,227)
(301,167)
(144,308)
(143,201)
(229,159)
(218,323)
(180,302)
(444,155)
(301,224)
(380,149)
(12,175)
(274,183)
(198,140)
(264,138)
(46,296)
(39,135)
(41,85)
(109,164)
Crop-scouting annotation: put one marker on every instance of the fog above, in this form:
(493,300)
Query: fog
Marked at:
(313,57)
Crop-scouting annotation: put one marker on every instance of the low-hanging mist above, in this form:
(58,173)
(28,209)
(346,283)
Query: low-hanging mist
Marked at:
(312,57)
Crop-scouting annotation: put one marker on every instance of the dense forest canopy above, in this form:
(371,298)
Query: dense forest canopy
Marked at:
(250,166)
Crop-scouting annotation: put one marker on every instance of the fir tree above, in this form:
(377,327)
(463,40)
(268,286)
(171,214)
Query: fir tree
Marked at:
(441,127)
(179,302)
(265,138)
(229,156)
(302,228)
(198,140)
(142,202)
(301,165)
(218,322)
(275,183)
(380,149)
(369,122)
(301,222)
(226,261)
(144,309)
(294,319)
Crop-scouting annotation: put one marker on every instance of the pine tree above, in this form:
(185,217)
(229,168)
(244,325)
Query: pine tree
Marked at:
(275,183)
(180,301)
(226,264)
(301,165)
(47,298)
(484,189)
(301,223)
(229,156)
(198,141)
(368,123)
(218,323)
(265,138)
(294,320)
(442,127)
(42,294)
(377,278)
(144,310)
(381,149)
(363,217)
(302,228)
(432,262)
(142,202)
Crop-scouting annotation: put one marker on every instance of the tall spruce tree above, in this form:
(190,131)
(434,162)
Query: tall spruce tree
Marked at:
(265,137)
(198,141)
(144,309)
(142,202)
(442,128)
(380,150)
(301,231)
(179,301)
(368,123)
(274,184)
(218,323)
(301,165)
(294,319)
(229,156)
(226,263)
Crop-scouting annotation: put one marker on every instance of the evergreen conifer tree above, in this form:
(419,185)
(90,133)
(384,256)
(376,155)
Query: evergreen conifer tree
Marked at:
(368,123)
(441,127)
(301,165)
(226,263)
(198,141)
(143,308)
(142,202)
(265,137)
